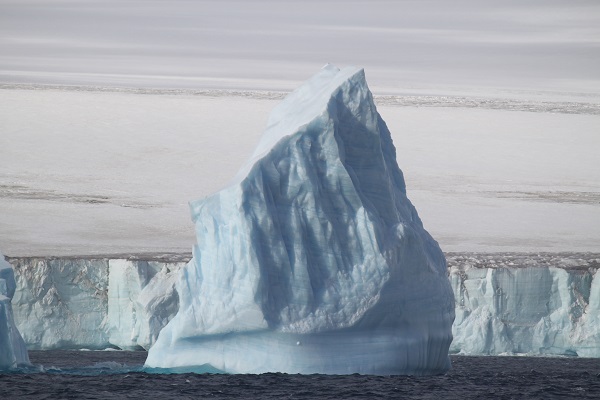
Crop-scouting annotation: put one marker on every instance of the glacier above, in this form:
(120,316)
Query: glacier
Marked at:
(13,352)
(313,260)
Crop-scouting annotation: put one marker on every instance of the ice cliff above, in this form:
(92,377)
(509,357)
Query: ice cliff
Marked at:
(313,260)
(528,303)
(13,352)
(75,303)
(536,304)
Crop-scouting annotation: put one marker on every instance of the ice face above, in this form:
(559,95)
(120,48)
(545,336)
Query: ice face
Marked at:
(530,309)
(93,303)
(13,352)
(61,303)
(141,300)
(313,260)
(539,304)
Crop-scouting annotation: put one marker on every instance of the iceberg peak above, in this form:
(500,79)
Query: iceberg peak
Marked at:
(315,242)
(302,106)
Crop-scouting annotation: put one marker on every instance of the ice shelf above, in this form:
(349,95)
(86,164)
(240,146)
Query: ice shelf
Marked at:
(506,303)
(526,304)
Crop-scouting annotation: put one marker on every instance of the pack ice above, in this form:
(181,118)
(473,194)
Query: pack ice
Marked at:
(313,260)
(13,352)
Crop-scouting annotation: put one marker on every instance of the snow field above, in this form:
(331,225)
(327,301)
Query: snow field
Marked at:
(106,172)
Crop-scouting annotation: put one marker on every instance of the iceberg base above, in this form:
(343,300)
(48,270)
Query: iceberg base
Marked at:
(383,352)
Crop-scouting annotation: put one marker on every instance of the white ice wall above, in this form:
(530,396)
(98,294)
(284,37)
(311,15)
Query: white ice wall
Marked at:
(61,303)
(548,304)
(141,300)
(526,307)
(92,303)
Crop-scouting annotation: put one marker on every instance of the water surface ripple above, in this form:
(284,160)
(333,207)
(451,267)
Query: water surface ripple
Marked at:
(117,375)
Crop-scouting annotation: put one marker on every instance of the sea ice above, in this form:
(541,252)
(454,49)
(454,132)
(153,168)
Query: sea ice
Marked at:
(13,352)
(313,260)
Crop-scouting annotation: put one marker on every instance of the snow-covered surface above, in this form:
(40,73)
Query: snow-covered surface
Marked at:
(527,304)
(74,303)
(496,105)
(313,260)
(13,352)
(111,172)
(501,181)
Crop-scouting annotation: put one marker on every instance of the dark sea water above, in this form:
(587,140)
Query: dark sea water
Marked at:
(119,375)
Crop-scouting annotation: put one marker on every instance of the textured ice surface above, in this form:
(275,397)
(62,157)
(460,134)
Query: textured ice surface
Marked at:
(12,347)
(141,300)
(490,290)
(75,303)
(313,260)
(544,304)
(61,303)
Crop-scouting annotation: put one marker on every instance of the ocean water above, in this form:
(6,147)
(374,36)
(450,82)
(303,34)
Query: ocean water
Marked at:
(119,374)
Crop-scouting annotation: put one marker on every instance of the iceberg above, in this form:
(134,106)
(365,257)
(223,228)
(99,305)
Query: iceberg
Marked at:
(313,260)
(13,352)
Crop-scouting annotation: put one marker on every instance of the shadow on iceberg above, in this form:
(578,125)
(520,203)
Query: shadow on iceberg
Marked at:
(313,260)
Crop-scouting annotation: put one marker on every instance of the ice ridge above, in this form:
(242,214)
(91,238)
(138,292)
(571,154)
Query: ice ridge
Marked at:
(313,260)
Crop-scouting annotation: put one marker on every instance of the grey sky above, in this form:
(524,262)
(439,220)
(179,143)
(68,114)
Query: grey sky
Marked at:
(424,46)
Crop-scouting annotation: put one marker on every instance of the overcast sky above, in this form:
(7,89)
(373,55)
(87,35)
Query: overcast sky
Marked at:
(433,46)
